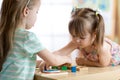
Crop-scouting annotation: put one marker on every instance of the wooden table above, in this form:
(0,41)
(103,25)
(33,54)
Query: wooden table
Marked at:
(93,73)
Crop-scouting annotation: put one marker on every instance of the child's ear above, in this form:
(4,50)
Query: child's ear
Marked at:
(25,11)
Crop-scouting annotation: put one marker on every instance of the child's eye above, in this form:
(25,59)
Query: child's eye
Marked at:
(82,37)
(73,36)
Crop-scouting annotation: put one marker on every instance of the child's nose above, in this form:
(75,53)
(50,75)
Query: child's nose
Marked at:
(78,40)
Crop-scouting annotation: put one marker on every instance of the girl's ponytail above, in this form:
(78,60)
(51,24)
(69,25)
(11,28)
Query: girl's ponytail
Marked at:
(100,30)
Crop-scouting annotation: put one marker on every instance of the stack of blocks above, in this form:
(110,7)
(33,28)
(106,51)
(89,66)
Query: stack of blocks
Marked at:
(73,69)
(65,67)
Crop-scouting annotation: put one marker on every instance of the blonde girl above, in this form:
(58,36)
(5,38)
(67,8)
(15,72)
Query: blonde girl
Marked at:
(87,30)
(19,47)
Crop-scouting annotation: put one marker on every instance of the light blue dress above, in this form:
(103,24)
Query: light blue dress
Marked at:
(21,61)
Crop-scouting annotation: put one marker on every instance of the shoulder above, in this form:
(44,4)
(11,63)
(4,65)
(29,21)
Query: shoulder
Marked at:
(24,33)
(29,35)
(106,45)
(111,42)
(105,49)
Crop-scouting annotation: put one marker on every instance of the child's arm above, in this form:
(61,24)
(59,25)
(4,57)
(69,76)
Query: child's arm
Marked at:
(104,57)
(58,57)
(103,61)
(85,62)
(67,49)
(53,59)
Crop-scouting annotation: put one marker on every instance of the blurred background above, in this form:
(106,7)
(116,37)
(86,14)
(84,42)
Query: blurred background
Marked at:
(53,17)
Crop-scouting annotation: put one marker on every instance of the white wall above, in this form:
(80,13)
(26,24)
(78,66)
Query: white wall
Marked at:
(52,23)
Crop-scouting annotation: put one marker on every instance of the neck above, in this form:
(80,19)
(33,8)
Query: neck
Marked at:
(21,26)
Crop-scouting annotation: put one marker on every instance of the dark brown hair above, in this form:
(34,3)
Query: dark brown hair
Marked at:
(86,19)
(10,17)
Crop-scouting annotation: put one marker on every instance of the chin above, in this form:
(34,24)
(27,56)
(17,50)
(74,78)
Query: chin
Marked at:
(81,47)
(28,28)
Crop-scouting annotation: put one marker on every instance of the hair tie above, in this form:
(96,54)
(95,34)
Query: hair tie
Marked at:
(96,13)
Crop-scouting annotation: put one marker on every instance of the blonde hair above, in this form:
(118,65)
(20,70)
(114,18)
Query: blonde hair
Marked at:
(86,19)
(10,17)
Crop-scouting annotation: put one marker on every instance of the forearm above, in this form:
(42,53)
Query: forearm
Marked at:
(91,63)
(53,59)
(61,60)
(88,63)
(58,60)
(67,49)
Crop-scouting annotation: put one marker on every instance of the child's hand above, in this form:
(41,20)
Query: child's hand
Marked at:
(44,66)
(80,61)
(92,57)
